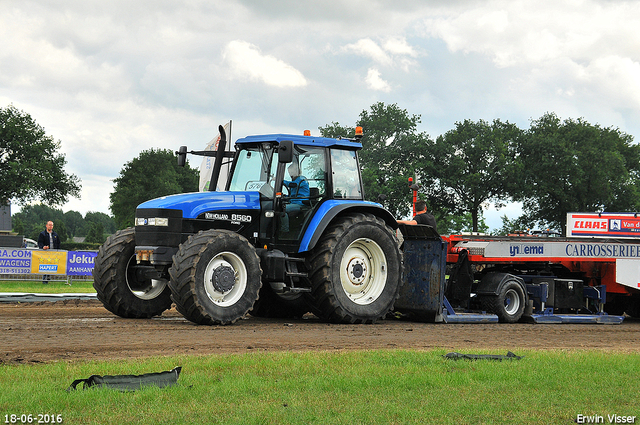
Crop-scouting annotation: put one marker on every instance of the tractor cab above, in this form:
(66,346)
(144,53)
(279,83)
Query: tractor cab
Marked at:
(293,176)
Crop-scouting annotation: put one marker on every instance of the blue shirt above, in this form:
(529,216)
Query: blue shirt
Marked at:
(300,191)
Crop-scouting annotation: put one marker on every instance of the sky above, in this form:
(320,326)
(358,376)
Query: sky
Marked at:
(109,79)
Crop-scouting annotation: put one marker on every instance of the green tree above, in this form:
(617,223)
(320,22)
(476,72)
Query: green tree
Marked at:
(75,223)
(336,131)
(474,164)
(30,166)
(154,173)
(18,225)
(31,220)
(574,166)
(393,150)
(455,224)
(95,233)
(61,229)
(108,222)
(516,225)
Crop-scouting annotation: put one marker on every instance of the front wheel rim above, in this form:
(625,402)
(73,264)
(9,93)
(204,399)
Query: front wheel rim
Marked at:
(150,290)
(363,271)
(225,279)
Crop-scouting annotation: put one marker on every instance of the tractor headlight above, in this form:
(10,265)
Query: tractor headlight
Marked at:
(152,221)
(162,221)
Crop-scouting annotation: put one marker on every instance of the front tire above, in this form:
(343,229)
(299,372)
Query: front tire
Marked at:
(356,270)
(122,290)
(215,277)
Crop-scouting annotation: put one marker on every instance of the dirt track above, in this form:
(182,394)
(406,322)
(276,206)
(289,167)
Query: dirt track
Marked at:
(69,330)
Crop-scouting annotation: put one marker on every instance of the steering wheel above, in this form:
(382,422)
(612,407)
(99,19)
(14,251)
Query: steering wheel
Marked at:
(287,189)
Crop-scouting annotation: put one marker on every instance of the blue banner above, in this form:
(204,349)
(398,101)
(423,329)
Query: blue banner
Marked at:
(15,261)
(80,263)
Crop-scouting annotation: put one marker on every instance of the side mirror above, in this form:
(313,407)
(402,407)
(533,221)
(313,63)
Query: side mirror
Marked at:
(285,151)
(182,156)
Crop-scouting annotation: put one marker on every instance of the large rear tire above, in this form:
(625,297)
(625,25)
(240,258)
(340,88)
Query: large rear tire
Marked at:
(356,270)
(122,289)
(215,277)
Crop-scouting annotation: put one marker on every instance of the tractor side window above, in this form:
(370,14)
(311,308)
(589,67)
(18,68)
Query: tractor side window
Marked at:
(346,180)
(253,169)
(313,168)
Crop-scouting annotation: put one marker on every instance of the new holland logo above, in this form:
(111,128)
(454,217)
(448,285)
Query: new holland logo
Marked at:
(234,218)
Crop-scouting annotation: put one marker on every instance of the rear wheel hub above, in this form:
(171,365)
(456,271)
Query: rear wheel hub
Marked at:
(357,270)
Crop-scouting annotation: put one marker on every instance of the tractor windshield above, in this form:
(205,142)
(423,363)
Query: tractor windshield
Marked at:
(255,168)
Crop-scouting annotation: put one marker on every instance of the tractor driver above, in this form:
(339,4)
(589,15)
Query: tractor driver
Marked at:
(298,191)
(298,186)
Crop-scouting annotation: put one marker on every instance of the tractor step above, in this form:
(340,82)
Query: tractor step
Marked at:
(296,274)
(291,267)
(298,290)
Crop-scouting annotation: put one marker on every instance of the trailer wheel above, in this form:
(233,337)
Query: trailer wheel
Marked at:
(215,277)
(356,270)
(509,304)
(122,290)
(633,306)
(615,305)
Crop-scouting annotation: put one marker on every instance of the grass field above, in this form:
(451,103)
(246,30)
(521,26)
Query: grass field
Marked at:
(53,287)
(364,387)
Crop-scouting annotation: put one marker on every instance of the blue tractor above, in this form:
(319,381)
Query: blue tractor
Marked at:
(291,233)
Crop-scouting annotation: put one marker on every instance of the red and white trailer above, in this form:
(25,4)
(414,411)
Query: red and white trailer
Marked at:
(592,271)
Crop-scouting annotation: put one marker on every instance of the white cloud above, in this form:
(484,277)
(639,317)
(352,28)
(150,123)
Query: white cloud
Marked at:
(399,46)
(395,49)
(528,32)
(247,62)
(374,82)
(31,60)
(616,78)
(369,48)
(394,52)
(565,56)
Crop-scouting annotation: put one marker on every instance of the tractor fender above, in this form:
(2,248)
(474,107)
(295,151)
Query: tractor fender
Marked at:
(330,209)
(491,283)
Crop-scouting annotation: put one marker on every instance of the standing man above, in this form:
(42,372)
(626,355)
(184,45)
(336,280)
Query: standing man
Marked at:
(422,216)
(48,239)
